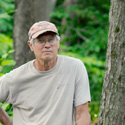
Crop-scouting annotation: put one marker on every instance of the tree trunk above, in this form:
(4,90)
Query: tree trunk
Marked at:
(112,110)
(27,13)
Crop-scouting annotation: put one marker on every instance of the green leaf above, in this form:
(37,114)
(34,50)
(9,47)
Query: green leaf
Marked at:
(8,62)
(5,55)
(1,74)
(5,106)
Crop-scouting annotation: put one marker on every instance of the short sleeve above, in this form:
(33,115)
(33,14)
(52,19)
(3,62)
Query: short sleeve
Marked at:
(82,89)
(4,89)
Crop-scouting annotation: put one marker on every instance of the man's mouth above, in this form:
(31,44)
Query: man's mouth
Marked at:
(47,51)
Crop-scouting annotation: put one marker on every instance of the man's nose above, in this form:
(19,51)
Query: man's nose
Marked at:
(47,44)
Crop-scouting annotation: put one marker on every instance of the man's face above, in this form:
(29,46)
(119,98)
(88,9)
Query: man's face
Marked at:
(45,47)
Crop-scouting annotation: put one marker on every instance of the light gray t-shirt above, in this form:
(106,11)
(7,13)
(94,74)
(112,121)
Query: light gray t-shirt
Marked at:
(46,97)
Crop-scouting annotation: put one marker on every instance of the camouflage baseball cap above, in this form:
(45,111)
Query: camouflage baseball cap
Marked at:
(40,28)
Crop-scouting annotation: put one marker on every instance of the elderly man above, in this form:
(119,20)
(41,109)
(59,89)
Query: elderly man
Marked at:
(50,90)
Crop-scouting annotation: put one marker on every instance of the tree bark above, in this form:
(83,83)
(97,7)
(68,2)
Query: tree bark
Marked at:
(112,110)
(27,13)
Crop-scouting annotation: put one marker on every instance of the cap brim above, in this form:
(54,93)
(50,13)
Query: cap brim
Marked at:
(41,32)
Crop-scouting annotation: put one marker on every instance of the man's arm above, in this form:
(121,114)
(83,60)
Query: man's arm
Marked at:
(4,118)
(82,115)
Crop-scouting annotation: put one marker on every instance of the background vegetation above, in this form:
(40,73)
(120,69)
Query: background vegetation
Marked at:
(87,41)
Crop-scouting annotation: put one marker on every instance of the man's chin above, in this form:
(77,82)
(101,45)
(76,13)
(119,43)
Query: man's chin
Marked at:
(47,58)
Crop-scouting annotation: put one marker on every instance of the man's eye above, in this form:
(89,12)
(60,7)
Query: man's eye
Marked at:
(51,40)
(41,40)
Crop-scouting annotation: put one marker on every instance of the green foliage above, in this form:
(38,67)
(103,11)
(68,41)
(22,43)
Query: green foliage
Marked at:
(5,44)
(87,25)
(6,16)
(8,108)
(6,47)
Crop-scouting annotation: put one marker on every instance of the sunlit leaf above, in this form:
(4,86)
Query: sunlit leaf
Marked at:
(8,62)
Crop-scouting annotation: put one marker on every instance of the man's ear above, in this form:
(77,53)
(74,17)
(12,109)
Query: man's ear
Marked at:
(30,45)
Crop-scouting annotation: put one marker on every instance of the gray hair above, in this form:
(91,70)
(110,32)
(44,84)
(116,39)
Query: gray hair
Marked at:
(33,40)
(58,37)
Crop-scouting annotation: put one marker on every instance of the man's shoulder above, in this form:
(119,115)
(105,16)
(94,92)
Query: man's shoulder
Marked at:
(70,59)
(19,70)
(24,66)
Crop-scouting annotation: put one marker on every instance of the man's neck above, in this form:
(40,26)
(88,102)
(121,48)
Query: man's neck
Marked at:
(45,65)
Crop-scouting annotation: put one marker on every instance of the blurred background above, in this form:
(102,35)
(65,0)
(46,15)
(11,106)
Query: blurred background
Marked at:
(83,28)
